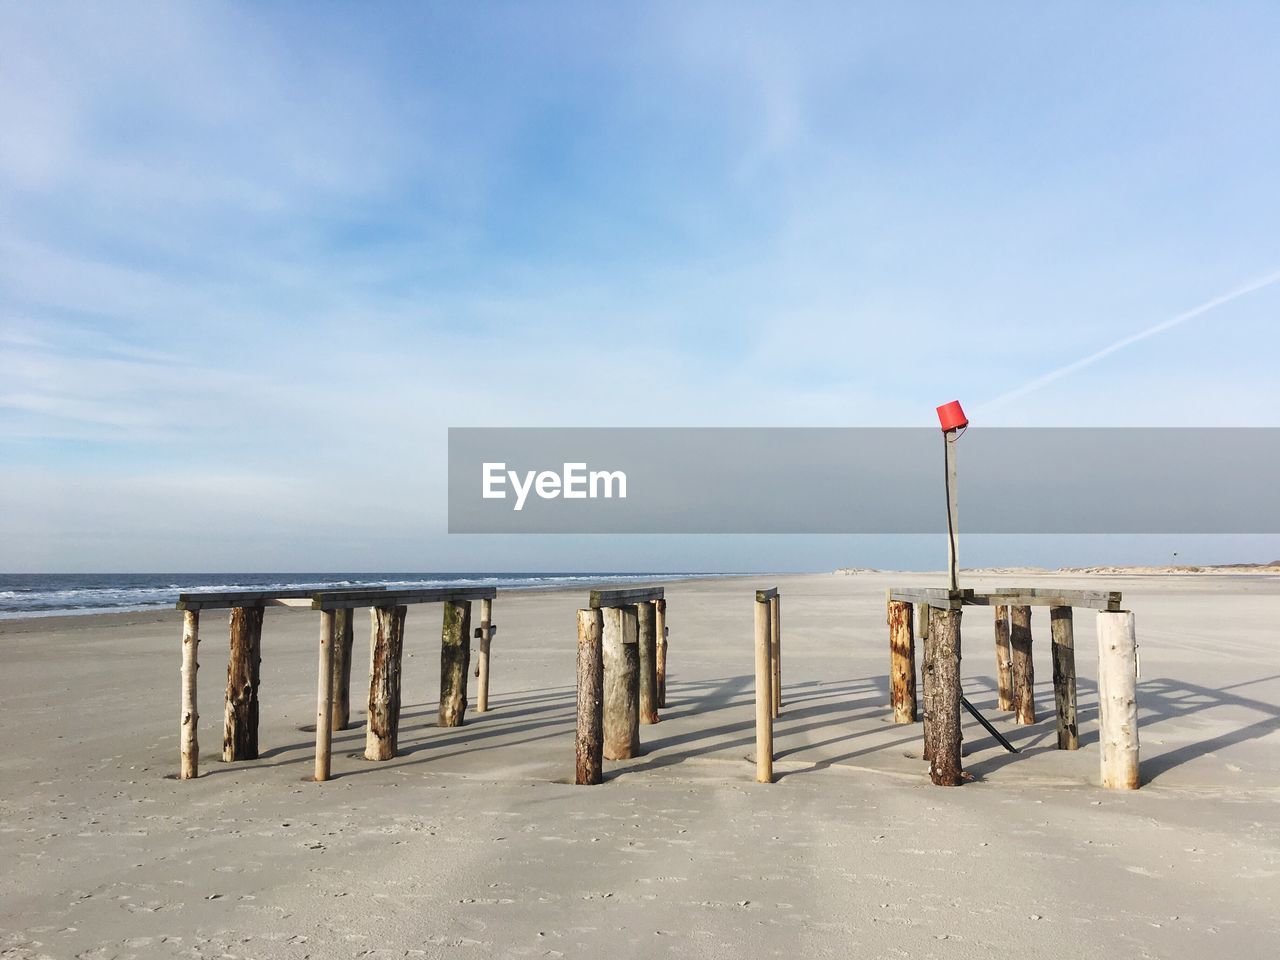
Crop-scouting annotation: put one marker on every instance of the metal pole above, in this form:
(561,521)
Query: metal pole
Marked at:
(953,519)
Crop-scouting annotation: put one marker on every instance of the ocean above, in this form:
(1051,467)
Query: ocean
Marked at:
(49,594)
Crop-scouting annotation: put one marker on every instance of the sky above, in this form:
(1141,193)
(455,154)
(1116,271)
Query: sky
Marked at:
(256,259)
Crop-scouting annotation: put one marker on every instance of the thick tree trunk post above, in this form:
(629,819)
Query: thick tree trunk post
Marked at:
(455,654)
(944,768)
(902,662)
(1024,671)
(590,740)
(188,737)
(1064,677)
(660,628)
(1004,660)
(324,697)
(240,721)
(764,694)
(775,653)
(1118,699)
(648,648)
(343,641)
(386,648)
(929,680)
(621,656)
(482,661)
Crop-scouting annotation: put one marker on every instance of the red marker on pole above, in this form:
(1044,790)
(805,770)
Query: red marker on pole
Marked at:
(953,421)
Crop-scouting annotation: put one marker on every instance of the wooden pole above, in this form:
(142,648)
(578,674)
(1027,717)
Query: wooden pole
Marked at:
(621,658)
(240,720)
(455,654)
(922,619)
(386,649)
(1004,660)
(590,739)
(482,661)
(1118,699)
(648,648)
(343,641)
(944,768)
(929,681)
(775,652)
(190,721)
(1024,671)
(1064,677)
(902,662)
(764,694)
(953,512)
(660,628)
(324,697)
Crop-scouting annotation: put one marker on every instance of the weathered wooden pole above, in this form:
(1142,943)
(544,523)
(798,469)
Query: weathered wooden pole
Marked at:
(188,731)
(1118,699)
(764,691)
(1024,671)
(455,654)
(240,721)
(660,628)
(1064,677)
(647,641)
(324,697)
(929,681)
(944,766)
(902,662)
(482,661)
(922,620)
(386,649)
(1004,660)
(621,683)
(590,739)
(343,640)
(775,653)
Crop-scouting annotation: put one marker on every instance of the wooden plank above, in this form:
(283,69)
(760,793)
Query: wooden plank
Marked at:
(940,599)
(624,598)
(944,599)
(764,596)
(241,598)
(337,599)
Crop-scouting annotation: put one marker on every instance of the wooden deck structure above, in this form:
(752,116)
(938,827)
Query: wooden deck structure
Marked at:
(387,613)
(934,616)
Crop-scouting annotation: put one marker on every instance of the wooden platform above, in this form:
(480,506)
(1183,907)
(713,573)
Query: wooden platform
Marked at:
(624,598)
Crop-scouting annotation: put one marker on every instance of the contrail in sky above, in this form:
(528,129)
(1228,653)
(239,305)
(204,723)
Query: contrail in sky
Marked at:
(1164,325)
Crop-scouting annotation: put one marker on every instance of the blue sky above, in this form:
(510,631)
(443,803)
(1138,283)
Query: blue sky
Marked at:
(256,258)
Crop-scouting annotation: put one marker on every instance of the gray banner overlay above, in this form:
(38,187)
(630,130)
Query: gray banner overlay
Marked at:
(864,480)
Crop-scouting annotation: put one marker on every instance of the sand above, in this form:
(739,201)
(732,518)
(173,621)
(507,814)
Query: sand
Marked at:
(474,843)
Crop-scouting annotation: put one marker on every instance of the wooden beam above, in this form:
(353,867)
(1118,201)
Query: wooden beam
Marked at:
(337,599)
(240,598)
(624,598)
(764,596)
(944,599)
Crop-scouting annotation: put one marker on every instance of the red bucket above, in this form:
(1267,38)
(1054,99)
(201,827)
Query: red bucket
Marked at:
(952,417)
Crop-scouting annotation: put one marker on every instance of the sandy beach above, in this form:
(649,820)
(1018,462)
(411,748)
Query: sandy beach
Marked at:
(474,842)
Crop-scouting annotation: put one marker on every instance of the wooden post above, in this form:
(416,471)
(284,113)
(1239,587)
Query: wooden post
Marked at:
(1118,699)
(1024,671)
(764,694)
(240,720)
(343,641)
(902,662)
(482,661)
(647,641)
(455,652)
(1004,660)
(190,721)
(660,628)
(1064,677)
(590,739)
(922,619)
(775,652)
(944,767)
(621,658)
(324,697)
(929,680)
(386,648)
